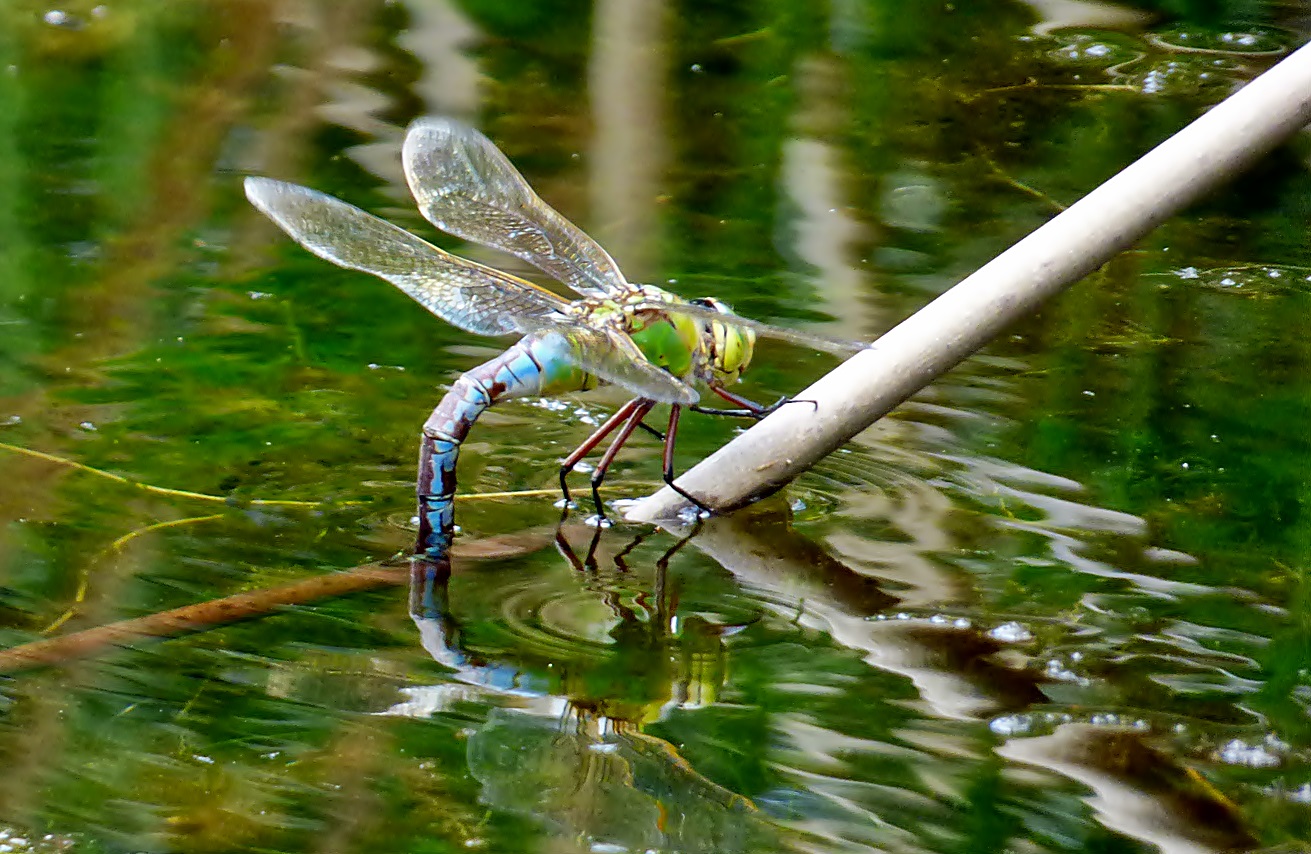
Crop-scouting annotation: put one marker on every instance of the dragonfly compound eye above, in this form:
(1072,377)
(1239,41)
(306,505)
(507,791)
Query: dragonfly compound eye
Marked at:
(712,303)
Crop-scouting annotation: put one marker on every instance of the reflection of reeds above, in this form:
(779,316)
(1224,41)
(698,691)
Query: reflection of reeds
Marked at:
(171,174)
(628,83)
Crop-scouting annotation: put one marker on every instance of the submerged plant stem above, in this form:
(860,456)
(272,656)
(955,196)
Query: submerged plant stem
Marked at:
(203,615)
(159,490)
(262,502)
(84,579)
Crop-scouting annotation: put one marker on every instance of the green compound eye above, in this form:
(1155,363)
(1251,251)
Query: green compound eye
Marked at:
(733,347)
(733,350)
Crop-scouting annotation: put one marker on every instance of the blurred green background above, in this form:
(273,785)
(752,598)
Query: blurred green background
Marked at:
(1054,603)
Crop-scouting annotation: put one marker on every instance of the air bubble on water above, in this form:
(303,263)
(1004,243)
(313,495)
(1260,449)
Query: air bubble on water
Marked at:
(1238,752)
(1011,632)
(1011,725)
(1058,671)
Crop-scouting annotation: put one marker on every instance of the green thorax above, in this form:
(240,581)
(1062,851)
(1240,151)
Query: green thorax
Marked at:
(672,341)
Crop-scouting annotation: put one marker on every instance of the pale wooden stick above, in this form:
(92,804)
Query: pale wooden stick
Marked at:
(1216,147)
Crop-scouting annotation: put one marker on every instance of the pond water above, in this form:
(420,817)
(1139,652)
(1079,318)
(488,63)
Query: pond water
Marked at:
(1053,603)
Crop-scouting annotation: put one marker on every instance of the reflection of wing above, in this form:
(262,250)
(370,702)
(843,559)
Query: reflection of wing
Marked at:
(836,346)
(461,292)
(465,186)
(612,356)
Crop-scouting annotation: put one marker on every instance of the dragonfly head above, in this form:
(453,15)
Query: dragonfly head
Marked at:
(731,346)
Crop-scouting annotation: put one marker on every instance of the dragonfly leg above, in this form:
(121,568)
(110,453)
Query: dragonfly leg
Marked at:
(748,408)
(653,431)
(638,412)
(670,435)
(592,441)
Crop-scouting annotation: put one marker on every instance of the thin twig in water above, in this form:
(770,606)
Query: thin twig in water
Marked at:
(1020,185)
(84,580)
(159,490)
(1034,84)
(189,618)
(265,502)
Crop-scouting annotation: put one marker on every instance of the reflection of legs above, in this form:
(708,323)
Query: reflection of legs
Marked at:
(666,602)
(588,563)
(621,559)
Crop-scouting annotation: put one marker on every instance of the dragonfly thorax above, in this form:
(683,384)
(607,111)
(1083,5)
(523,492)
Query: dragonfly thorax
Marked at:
(673,341)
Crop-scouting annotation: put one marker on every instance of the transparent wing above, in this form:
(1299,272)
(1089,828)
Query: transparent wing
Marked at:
(466,187)
(612,356)
(461,292)
(836,346)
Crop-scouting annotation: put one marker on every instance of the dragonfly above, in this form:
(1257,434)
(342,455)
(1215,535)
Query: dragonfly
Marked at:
(642,338)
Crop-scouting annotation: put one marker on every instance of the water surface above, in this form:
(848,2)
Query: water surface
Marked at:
(1054,603)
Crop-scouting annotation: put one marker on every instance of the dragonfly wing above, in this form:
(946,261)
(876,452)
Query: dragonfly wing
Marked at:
(466,187)
(836,346)
(612,356)
(461,292)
